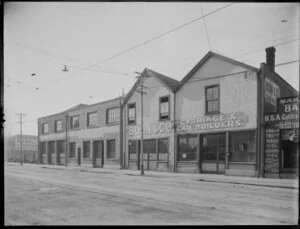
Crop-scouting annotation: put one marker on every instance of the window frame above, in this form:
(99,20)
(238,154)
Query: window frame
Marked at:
(158,149)
(231,147)
(206,101)
(107,116)
(55,126)
(88,119)
(159,106)
(128,121)
(187,136)
(71,122)
(107,145)
(43,128)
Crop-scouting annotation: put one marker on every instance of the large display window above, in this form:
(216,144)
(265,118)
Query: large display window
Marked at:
(242,146)
(187,148)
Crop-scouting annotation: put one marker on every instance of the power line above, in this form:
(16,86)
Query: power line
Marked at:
(205,28)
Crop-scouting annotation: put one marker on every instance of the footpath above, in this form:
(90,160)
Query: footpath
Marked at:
(266,182)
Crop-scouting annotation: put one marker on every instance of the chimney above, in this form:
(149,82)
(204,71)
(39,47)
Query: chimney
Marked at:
(270,57)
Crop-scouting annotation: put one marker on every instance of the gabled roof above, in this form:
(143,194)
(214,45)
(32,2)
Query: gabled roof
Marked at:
(169,83)
(205,58)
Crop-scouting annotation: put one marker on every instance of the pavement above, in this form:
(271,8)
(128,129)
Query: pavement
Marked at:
(266,182)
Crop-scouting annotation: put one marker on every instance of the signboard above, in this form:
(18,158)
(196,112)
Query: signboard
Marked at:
(203,123)
(287,117)
(27,144)
(272,92)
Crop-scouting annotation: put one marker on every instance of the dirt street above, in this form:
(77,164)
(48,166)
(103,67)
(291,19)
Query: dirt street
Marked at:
(40,196)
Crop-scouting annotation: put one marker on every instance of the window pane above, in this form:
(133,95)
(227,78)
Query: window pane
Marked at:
(75,122)
(209,106)
(111,148)
(187,148)
(131,113)
(215,92)
(72,149)
(92,119)
(164,108)
(215,105)
(243,147)
(209,93)
(113,115)
(60,146)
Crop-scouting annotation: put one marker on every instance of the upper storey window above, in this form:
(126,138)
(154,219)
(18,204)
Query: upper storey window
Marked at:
(212,97)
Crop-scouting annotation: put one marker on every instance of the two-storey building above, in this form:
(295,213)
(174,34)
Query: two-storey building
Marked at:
(86,135)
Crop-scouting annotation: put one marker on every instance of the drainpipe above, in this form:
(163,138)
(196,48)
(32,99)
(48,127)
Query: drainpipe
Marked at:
(66,150)
(121,135)
(262,120)
(174,131)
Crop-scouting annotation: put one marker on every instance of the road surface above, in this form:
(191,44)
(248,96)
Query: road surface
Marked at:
(41,196)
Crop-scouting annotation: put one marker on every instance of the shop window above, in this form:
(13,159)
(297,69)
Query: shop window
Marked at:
(187,148)
(86,149)
(72,148)
(164,108)
(163,149)
(289,148)
(111,149)
(75,122)
(149,150)
(60,146)
(212,99)
(212,144)
(133,149)
(131,113)
(92,119)
(58,125)
(51,147)
(45,128)
(98,148)
(113,115)
(242,146)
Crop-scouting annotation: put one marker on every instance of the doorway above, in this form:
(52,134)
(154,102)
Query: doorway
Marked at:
(289,150)
(98,155)
(212,154)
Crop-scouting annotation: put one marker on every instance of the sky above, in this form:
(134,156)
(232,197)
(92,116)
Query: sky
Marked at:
(41,37)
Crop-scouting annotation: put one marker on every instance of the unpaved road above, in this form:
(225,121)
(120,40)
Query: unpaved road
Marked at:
(39,196)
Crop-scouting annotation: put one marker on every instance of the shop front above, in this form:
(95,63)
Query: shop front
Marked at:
(218,144)
(282,139)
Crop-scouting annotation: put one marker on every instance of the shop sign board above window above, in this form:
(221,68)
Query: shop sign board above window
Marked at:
(203,123)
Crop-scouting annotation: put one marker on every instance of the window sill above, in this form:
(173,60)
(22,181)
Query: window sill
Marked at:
(187,161)
(131,124)
(212,113)
(241,162)
(112,124)
(91,127)
(164,120)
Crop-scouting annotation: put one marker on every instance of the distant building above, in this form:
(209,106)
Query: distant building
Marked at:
(12,148)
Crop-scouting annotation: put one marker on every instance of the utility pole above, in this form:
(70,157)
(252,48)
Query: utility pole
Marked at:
(21,115)
(66,150)
(141,91)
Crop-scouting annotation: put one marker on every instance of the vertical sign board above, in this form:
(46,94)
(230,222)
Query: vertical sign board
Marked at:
(272,92)
(286,117)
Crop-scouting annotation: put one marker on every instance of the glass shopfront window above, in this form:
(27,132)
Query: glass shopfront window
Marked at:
(289,148)
(163,149)
(242,146)
(212,144)
(187,148)
(133,148)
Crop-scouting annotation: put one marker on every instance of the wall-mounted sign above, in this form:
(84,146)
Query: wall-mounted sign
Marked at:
(286,120)
(272,92)
(207,122)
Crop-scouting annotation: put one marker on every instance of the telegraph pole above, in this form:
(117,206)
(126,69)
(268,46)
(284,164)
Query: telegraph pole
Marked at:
(141,91)
(21,115)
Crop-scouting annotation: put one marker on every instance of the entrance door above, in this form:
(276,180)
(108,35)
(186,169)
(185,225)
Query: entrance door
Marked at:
(51,152)
(289,150)
(79,155)
(98,156)
(213,147)
(149,154)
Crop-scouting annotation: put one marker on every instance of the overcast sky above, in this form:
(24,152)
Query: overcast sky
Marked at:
(41,37)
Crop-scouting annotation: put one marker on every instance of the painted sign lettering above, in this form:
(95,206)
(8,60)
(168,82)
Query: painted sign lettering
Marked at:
(219,121)
(272,92)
